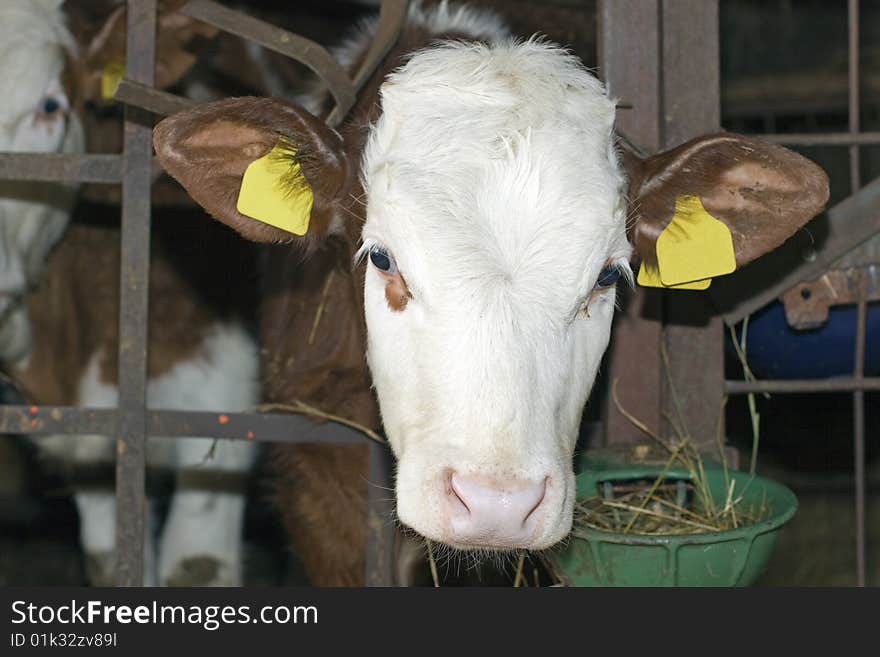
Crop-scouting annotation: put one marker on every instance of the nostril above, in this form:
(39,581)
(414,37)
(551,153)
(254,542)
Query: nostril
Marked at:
(538,503)
(454,491)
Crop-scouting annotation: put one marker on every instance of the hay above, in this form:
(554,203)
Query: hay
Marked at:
(668,507)
(302,408)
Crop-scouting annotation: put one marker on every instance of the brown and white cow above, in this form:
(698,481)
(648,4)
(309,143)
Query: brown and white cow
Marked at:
(479,179)
(59,319)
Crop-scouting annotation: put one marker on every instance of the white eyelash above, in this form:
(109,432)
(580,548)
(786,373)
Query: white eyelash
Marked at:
(366,246)
(625,270)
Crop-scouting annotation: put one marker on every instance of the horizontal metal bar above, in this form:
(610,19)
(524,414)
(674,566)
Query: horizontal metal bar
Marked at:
(58,167)
(263,427)
(822,139)
(57,420)
(848,384)
(150,99)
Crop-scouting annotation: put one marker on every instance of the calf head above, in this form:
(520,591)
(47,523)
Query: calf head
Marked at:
(46,75)
(496,227)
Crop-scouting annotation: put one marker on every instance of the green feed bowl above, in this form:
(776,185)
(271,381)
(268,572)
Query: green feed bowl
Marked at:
(734,557)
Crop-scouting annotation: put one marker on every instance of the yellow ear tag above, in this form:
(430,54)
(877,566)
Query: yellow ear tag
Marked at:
(694,246)
(113,72)
(274,191)
(650,277)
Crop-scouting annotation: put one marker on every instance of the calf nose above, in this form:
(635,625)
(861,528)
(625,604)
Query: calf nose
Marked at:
(492,512)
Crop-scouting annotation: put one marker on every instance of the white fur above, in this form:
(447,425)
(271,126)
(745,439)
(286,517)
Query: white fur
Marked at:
(491,177)
(97,531)
(33,216)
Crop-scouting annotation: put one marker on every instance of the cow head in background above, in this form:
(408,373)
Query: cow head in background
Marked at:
(46,74)
(35,116)
(494,232)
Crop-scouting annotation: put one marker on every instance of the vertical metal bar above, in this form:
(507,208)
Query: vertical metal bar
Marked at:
(692,106)
(380,519)
(854,158)
(133,291)
(859,432)
(629,63)
(858,371)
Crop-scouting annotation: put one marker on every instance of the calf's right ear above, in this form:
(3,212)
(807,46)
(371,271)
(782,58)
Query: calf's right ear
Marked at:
(265,167)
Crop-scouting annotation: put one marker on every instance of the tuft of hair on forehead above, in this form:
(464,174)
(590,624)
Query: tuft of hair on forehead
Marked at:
(458,101)
(533,80)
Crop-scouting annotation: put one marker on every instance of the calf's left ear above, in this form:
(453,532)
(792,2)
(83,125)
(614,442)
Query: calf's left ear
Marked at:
(716,203)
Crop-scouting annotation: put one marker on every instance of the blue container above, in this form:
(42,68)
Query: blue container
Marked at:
(777,351)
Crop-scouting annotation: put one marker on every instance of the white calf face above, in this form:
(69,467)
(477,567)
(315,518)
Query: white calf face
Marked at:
(35,117)
(495,229)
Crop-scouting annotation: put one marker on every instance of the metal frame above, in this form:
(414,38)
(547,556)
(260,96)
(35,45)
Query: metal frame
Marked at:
(855,220)
(661,56)
(659,81)
(131,423)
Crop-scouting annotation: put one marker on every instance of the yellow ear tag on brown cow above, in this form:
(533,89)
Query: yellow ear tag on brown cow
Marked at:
(650,277)
(694,246)
(112,74)
(274,191)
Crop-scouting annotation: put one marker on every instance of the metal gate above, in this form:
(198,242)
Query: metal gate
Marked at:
(131,423)
(663,57)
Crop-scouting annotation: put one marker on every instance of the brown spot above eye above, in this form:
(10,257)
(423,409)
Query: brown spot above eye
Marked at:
(397,294)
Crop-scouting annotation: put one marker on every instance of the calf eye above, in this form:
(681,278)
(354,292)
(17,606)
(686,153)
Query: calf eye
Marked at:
(51,105)
(608,276)
(382,260)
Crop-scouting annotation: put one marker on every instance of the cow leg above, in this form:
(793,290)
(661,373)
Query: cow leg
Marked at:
(97,523)
(201,543)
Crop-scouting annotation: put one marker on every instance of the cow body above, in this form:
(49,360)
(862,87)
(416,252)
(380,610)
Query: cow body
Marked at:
(59,319)
(479,179)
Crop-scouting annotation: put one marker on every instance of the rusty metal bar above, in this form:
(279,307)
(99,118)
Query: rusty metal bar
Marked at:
(851,222)
(855,173)
(823,139)
(380,519)
(133,303)
(693,333)
(859,355)
(314,56)
(736,387)
(859,432)
(392,15)
(56,420)
(152,100)
(58,167)
(629,62)
(262,427)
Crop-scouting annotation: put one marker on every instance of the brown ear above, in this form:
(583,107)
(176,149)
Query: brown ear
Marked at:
(761,191)
(179,39)
(208,148)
